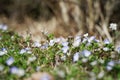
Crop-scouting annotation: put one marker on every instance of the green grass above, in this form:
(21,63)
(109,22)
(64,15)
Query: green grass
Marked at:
(52,59)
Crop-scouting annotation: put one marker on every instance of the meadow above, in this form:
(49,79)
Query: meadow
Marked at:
(80,57)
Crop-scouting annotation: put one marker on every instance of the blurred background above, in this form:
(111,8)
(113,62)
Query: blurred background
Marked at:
(61,17)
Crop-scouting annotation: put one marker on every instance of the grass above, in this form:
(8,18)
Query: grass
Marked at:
(73,58)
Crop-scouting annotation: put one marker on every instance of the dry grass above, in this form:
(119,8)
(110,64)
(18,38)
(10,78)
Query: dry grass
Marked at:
(70,17)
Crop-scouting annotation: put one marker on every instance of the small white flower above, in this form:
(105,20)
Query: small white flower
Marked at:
(91,39)
(63,58)
(88,44)
(3,27)
(84,60)
(31,59)
(36,44)
(20,72)
(109,68)
(14,70)
(118,50)
(22,51)
(65,49)
(106,49)
(61,73)
(96,40)
(101,61)
(51,43)
(111,63)
(44,46)
(38,68)
(12,37)
(93,63)
(85,35)
(101,74)
(65,43)
(76,57)
(57,40)
(29,52)
(2,53)
(1,67)
(10,61)
(113,26)
(77,37)
(86,53)
(77,41)
(17,71)
(84,40)
(27,49)
(106,41)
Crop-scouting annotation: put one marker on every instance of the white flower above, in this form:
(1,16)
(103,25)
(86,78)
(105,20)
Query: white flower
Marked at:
(20,72)
(1,67)
(77,37)
(77,41)
(36,44)
(101,61)
(10,61)
(26,50)
(106,41)
(113,26)
(64,43)
(91,39)
(84,40)
(29,52)
(13,70)
(65,49)
(109,68)
(106,49)
(51,43)
(93,63)
(96,40)
(118,49)
(44,46)
(76,57)
(101,74)
(63,58)
(85,35)
(84,60)
(31,59)
(17,71)
(86,53)
(23,51)
(57,40)
(111,63)
(38,68)
(61,73)
(3,52)
(3,27)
